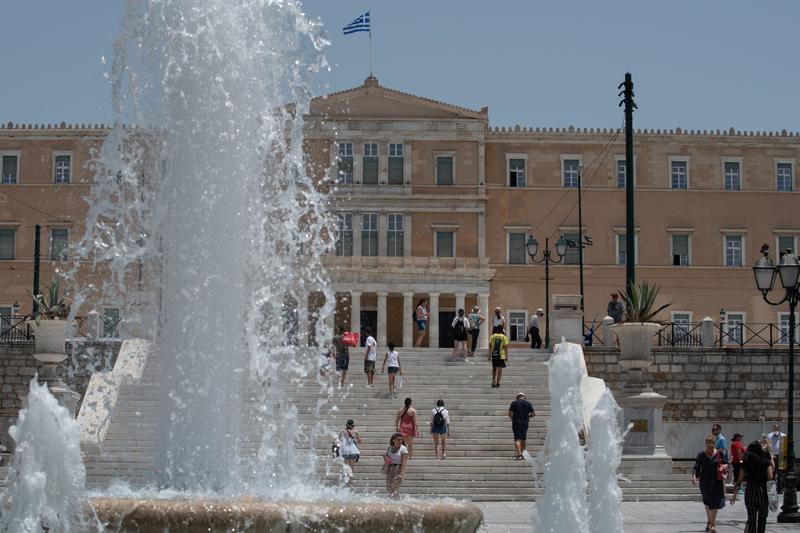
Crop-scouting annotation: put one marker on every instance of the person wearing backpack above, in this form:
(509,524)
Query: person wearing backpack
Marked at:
(440,429)
(498,354)
(460,326)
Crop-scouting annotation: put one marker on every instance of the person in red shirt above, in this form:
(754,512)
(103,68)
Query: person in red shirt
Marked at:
(737,454)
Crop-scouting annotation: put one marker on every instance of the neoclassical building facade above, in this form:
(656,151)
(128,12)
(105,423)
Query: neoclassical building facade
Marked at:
(433,202)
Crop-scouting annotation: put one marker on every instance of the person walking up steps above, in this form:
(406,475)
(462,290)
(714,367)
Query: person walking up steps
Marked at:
(440,429)
(370,356)
(395,461)
(348,448)
(406,424)
(342,352)
(475,321)
(498,354)
(460,326)
(393,358)
(520,412)
(533,329)
(498,322)
(421,318)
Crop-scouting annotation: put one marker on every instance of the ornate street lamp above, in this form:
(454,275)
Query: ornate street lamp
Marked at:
(532,246)
(788,272)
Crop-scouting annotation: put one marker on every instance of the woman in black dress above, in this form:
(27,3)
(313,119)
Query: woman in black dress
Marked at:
(712,489)
(756,470)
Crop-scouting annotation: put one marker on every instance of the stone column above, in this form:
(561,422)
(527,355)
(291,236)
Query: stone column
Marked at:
(608,334)
(408,326)
(481,235)
(707,332)
(381,338)
(330,318)
(355,311)
(460,297)
(433,320)
(486,327)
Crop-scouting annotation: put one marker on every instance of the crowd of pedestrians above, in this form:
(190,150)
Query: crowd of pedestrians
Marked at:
(754,471)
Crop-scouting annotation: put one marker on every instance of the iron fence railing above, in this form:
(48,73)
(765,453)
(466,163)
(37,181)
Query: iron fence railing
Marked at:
(15,329)
(688,335)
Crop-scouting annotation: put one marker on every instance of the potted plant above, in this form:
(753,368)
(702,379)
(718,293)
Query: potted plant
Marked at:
(50,329)
(637,330)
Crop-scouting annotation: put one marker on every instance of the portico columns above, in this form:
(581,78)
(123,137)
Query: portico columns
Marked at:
(460,297)
(355,311)
(433,320)
(408,302)
(483,303)
(381,319)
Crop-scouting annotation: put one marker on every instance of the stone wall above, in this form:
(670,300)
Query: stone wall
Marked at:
(709,384)
(18,366)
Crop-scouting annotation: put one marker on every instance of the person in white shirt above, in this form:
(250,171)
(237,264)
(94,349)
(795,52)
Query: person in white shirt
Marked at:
(393,358)
(460,327)
(533,329)
(440,428)
(394,465)
(775,439)
(348,448)
(370,356)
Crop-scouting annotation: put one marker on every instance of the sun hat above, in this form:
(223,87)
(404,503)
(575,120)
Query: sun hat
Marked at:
(520,395)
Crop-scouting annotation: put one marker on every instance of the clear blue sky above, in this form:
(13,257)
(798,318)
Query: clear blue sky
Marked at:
(696,64)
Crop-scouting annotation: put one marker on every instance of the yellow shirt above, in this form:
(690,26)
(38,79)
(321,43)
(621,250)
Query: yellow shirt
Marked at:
(503,343)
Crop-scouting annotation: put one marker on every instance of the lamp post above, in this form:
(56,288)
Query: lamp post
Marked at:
(532,246)
(788,271)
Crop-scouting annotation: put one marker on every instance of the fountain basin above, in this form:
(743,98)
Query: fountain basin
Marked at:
(251,515)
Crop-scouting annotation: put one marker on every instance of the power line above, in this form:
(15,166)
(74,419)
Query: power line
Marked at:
(604,152)
(29,206)
(567,191)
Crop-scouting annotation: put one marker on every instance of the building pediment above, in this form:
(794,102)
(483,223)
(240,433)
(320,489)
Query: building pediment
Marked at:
(373,101)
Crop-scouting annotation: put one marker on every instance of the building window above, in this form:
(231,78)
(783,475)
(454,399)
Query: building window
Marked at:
(395,164)
(111,320)
(733,251)
(395,235)
(783,326)
(344,163)
(444,170)
(786,242)
(517,253)
(7,237)
(680,175)
(784,176)
(622,248)
(370,164)
(734,328)
(621,170)
(680,250)
(571,167)
(516,172)
(369,234)
(681,325)
(59,239)
(10,168)
(571,257)
(445,244)
(733,180)
(344,234)
(62,168)
(517,326)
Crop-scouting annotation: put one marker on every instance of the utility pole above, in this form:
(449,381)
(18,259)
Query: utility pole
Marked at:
(36,264)
(630,241)
(580,247)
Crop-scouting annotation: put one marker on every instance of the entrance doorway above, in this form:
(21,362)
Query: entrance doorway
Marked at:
(445,330)
(368,319)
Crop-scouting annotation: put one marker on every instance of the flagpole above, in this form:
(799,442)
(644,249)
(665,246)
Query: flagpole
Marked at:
(370,52)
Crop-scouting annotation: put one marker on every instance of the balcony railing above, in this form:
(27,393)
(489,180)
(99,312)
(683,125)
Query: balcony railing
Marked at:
(744,334)
(15,329)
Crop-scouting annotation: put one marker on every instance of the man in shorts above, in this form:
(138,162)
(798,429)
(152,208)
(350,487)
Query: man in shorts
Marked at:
(370,356)
(342,355)
(498,354)
(520,412)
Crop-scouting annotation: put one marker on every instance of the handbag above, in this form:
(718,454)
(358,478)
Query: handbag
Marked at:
(722,468)
(772,495)
(350,338)
(387,462)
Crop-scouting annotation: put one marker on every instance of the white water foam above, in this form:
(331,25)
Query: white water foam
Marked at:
(605,455)
(47,480)
(562,506)
(202,201)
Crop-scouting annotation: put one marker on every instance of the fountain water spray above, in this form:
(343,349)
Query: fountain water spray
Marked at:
(202,202)
(605,455)
(47,480)
(562,506)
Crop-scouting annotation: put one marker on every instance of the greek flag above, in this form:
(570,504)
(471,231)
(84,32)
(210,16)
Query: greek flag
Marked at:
(360,24)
